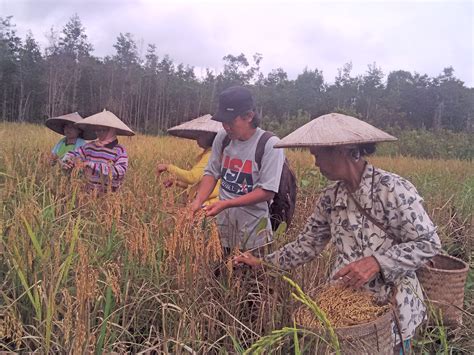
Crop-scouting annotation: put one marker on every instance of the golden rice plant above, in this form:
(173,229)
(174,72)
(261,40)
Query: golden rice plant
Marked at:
(11,329)
(128,272)
(86,278)
(192,247)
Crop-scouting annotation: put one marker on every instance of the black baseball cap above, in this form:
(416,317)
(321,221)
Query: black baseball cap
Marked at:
(233,102)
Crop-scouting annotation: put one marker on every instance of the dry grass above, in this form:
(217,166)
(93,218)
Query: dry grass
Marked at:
(131,273)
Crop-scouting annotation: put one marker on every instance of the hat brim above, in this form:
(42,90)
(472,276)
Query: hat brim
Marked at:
(105,119)
(334,129)
(57,125)
(189,134)
(282,144)
(90,128)
(224,116)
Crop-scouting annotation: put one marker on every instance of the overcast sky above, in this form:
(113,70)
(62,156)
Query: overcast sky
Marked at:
(421,36)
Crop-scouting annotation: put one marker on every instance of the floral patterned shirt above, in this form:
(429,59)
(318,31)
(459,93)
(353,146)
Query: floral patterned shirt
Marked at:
(411,239)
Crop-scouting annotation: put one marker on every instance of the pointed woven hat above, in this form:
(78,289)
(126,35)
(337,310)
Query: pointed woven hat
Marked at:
(105,119)
(334,129)
(195,128)
(57,124)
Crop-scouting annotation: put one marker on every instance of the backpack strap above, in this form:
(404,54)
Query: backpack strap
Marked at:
(259,151)
(262,141)
(225,143)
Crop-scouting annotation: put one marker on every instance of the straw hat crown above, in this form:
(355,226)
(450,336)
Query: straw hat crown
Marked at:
(196,127)
(105,119)
(57,124)
(334,129)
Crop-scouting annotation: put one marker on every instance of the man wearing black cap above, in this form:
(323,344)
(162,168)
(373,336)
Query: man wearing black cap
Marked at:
(246,188)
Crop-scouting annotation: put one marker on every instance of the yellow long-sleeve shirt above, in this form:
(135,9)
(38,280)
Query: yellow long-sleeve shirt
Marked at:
(193,176)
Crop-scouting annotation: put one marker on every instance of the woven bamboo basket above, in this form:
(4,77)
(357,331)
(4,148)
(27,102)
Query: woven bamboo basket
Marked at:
(443,280)
(369,338)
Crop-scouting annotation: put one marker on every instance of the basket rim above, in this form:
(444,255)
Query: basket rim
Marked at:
(457,271)
(379,319)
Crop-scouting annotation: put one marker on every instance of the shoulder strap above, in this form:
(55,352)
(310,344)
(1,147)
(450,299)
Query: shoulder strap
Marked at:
(259,151)
(369,216)
(262,141)
(225,143)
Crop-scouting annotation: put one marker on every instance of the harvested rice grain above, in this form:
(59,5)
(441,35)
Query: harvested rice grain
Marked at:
(343,307)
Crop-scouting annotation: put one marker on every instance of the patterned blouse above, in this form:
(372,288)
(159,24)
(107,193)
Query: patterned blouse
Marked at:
(411,239)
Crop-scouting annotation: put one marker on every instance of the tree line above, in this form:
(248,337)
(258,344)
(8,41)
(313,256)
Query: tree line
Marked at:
(151,93)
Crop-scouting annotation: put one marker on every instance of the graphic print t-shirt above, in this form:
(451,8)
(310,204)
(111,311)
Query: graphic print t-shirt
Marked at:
(239,173)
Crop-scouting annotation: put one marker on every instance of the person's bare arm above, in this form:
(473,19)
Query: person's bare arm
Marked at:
(256,196)
(206,186)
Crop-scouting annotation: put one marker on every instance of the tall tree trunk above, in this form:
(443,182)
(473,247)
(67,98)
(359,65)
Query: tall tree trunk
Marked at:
(50,92)
(4,105)
(147,107)
(76,76)
(20,101)
(368,108)
(469,123)
(437,118)
(213,92)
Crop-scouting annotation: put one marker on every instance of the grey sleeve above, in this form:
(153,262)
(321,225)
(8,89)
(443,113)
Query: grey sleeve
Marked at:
(213,167)
(272,165)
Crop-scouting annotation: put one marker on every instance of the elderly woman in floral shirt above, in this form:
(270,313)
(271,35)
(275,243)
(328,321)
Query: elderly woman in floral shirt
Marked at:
(374,218)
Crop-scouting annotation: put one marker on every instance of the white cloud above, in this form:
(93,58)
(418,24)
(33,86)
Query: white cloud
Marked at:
(422,36)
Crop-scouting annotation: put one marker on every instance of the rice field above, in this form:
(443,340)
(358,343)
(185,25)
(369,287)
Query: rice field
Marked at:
(132,272)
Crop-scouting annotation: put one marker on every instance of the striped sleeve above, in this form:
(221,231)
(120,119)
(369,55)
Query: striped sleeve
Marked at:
(104,166)
(73,154)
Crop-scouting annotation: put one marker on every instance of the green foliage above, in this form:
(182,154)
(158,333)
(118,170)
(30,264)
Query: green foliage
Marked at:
(151,93)
(443,144)
(275,339)
(285,127)
(103,329)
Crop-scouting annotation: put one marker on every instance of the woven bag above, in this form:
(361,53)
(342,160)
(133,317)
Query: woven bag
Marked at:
(443,279)
(369,338)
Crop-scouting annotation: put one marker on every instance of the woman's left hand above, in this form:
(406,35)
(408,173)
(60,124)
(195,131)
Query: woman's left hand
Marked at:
(359,272)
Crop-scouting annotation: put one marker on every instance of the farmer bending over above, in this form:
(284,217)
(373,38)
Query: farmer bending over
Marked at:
(375,219)
(203,130)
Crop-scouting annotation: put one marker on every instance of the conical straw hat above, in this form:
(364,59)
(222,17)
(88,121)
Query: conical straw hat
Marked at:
(334,129)
(105,119)
(57,124)
(196,127)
